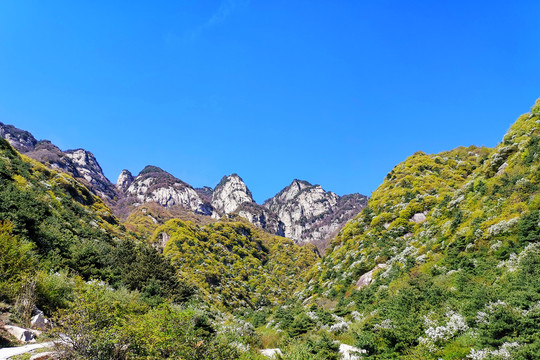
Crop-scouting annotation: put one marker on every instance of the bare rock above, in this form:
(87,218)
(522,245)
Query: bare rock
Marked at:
(21,334)
(418,217)
(230,193)
(40,322)
(367,278)
(272,353)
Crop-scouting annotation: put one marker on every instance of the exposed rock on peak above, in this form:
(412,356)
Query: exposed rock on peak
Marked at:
(151,169)
(205,192)
(311,214)
(21,140)
(230,193)
(156,185)
(125,179)
(79,163)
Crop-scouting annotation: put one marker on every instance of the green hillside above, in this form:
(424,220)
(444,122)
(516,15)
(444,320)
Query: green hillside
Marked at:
(236,264)
(453,239)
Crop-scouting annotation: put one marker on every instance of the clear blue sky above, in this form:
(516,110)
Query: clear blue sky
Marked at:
(333,92)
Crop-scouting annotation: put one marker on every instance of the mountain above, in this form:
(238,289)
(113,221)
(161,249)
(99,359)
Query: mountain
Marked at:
(444,262)
(79,163)
(156,185)
(311,214)
(232,196)
(302,212)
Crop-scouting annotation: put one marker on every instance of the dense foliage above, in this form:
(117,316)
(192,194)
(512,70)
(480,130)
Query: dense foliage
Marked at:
(457,235)
(236,264)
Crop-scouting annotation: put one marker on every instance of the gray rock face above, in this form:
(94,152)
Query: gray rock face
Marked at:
(232,196)
(155,185)
(21,334)
(230,193)
(88,168)
(21,140)
(302,212)
(79,163)
(311,214)
(367,278)
(124,180)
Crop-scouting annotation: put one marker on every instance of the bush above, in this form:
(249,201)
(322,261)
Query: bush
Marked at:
(16,261)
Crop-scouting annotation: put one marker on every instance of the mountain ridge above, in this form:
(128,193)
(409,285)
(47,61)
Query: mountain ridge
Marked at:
(230,197)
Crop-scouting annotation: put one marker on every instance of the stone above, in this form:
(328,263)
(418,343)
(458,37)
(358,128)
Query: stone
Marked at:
(40,322)
(367,278)
(272,353)
(21,334)
(312,215)
(418,217)
(230,193)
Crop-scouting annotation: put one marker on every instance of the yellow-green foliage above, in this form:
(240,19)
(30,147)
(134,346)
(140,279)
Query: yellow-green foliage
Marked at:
(482,214)
(234,263)
(145,219)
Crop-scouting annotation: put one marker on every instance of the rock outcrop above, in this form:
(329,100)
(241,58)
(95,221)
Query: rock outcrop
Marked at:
(21,140)
(302,212)
(125,179)
(311,214)
(156,185)
(79,163)
(232,196)
(230,193)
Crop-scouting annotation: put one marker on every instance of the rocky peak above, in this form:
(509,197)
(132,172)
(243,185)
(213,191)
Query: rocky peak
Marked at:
(205,192)
(311,214)
(230,193)
(79,163)
(156,185)
(125,179)
(21,140)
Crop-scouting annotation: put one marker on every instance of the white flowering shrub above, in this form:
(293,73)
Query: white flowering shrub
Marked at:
(437,334)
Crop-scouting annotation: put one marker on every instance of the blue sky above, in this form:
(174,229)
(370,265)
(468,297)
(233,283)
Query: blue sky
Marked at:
(333,92)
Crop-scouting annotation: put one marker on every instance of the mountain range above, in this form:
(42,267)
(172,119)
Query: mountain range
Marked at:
(302,212)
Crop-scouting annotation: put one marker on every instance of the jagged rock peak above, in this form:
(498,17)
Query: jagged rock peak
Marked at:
(85,159)
(21,140)
(154,184)
(291,191)
(311,214)
(230,193)
(80,163)
(125,179)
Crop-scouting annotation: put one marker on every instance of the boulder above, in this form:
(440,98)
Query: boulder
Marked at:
(367,278)
(21,334)
(40,322)
(418,217)
(271,353)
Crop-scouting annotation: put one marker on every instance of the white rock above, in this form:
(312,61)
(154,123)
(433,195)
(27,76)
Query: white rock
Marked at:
(21,334)
(230,193)
(271,353)
(418,217)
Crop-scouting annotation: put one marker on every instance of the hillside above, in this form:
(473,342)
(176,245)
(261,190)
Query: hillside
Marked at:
(444,261)
(234,263)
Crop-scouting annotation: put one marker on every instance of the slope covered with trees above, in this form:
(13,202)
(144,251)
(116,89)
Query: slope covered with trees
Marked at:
(447,253)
